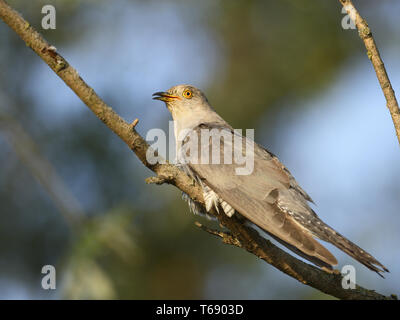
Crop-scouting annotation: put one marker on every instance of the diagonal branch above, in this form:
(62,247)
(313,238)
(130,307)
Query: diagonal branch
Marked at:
(247,237)
(373,54)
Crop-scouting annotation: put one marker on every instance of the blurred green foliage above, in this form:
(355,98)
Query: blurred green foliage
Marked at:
(139,241)
(276,50)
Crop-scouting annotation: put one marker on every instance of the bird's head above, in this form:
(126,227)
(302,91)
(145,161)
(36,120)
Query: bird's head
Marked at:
(182,99)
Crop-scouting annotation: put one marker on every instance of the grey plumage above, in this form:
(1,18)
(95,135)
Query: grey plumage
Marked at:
(269,197)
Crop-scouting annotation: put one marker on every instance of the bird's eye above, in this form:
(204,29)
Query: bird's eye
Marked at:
(187,94)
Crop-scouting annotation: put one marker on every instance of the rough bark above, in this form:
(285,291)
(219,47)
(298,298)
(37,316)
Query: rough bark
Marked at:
(239,234)
(373,54)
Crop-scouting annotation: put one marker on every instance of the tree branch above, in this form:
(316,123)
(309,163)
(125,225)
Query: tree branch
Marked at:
(240,234)
(373,54)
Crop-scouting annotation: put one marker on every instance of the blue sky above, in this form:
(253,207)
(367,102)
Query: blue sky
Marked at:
(341,145)
(342,148)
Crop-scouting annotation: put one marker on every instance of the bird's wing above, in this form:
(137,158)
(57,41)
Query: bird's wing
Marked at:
(269,196)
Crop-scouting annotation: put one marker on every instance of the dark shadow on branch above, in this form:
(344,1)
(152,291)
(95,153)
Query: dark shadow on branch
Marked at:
(239,235)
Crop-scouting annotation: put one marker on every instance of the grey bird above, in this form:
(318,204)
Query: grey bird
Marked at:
(268,197)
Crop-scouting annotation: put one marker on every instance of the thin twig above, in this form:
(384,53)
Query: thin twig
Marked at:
(134,123)
(226,237)
(247,237)
(373,54)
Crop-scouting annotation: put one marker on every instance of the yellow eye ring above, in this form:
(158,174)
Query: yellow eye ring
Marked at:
(187,94)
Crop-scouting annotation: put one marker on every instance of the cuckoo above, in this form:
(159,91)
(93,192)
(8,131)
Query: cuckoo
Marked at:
(266,195)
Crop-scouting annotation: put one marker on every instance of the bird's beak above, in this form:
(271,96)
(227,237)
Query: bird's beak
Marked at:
(165,96)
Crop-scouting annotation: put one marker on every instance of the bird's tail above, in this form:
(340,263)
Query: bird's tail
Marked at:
(339,241)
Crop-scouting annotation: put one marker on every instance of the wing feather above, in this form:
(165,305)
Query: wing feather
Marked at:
(267,197)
